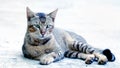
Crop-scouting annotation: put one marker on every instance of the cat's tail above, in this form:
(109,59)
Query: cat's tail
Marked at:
(110,56)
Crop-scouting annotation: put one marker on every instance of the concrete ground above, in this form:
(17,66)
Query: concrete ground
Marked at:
(96,20)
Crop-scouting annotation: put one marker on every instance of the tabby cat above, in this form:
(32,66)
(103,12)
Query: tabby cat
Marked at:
(48,44)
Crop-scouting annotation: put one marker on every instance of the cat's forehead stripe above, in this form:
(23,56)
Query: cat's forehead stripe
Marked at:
(40,14)
(42,17)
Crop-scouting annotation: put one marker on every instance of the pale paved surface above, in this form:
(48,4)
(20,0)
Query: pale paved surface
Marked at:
(96,20)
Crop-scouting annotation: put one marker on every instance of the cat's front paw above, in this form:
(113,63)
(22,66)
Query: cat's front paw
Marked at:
(46,60)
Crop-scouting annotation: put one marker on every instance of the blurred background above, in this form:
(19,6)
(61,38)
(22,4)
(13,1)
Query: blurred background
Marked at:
(96,20)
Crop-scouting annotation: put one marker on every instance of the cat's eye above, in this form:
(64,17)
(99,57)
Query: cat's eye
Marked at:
(49,26)
(31,28)
(38,26)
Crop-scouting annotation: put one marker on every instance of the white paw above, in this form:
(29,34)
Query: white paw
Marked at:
(46,60)
(89,59)
(102,60)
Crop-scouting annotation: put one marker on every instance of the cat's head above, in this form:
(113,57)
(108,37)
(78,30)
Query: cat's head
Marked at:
(40,25)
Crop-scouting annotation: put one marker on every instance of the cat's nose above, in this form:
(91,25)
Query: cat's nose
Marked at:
(42,32)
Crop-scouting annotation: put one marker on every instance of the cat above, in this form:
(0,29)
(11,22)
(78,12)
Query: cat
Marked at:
(49,44)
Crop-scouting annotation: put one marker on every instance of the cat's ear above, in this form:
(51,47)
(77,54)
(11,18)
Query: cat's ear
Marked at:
(30,14)
(53,14)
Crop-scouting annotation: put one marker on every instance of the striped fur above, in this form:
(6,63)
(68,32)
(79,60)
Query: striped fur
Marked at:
(89,58)
(83,47)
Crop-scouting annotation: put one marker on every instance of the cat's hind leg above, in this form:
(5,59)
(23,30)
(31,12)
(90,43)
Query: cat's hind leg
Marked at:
(103,56)
(89,58)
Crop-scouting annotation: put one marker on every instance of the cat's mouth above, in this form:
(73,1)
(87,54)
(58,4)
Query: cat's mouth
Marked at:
(42,37)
